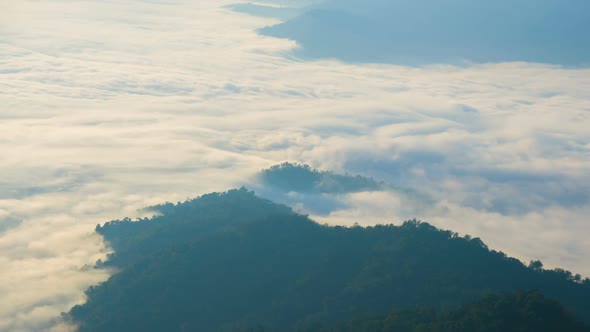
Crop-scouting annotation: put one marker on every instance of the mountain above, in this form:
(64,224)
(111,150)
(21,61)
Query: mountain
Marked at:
(227,261)
(516,312)
(321,193)
(302,178)
(421,32)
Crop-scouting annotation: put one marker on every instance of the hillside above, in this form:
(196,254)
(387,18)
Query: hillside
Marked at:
(302,178)
(517,312)
(226,261)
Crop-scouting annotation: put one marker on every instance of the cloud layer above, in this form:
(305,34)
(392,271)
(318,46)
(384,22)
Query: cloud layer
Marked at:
(110,106)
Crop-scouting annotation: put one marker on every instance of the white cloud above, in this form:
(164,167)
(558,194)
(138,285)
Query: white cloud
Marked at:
(110,106)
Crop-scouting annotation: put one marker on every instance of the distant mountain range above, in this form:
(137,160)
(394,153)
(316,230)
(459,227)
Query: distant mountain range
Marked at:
(433,31)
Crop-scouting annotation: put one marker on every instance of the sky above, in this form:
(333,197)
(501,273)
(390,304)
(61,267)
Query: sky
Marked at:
(111,106)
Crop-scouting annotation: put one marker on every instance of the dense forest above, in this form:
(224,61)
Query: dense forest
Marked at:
(518,312)
(233,261)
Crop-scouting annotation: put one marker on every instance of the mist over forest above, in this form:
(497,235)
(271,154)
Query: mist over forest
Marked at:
(377,165)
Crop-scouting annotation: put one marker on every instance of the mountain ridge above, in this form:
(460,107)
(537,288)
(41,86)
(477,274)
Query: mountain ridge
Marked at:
(233,259)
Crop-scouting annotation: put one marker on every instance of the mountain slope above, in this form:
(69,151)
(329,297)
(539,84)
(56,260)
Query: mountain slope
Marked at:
(224,261)
(517,312)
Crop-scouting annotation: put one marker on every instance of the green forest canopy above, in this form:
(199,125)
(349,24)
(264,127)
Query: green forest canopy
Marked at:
(228,260)
(516,312)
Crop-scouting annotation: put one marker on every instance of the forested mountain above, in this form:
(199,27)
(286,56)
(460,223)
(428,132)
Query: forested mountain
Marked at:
(228,261)
(303,178)
(518,312)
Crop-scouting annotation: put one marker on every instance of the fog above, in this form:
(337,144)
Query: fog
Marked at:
(111,106)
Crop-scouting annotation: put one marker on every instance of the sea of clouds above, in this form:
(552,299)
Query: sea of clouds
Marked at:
(108,106)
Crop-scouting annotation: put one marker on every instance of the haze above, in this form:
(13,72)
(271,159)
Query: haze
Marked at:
(111,106)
